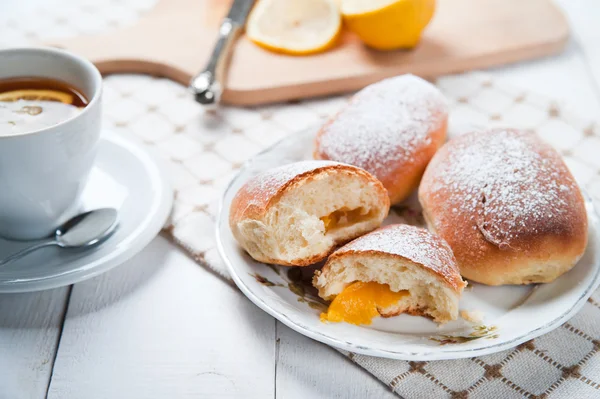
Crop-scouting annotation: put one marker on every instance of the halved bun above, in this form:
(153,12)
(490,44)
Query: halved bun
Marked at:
(406,258)
(391,129)
(297,214)
(507,205)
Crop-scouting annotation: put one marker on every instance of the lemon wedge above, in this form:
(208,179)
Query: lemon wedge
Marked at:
(37,95)
(295,27)
(388,24)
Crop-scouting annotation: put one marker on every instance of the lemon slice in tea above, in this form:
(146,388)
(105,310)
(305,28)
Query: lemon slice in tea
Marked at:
(37,95)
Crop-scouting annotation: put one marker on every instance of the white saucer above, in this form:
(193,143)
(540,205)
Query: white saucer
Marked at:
(511,314)
(124,177)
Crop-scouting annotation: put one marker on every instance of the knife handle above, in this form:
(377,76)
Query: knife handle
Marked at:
(207,85)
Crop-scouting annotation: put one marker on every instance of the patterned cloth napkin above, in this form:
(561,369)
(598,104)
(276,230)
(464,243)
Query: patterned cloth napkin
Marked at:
(203,151)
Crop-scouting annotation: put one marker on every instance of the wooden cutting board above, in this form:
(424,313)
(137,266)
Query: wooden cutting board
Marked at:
(176,37)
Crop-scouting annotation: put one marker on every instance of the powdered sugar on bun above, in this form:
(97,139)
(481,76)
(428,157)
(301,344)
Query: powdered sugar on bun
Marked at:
(391,129)
(508,206)
(413,243)
(268,183)
(506,187)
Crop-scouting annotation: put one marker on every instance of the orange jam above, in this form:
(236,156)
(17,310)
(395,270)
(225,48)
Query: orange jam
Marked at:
(343,217)
(358,302)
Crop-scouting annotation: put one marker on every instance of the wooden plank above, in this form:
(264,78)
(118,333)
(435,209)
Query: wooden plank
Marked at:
(308,369)
(160,326)
(30,326)
(174,40)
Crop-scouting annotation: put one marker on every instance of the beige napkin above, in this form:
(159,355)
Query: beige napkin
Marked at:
(204,150)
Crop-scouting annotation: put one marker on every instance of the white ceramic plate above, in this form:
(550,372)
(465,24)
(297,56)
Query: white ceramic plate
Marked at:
(512,314)
(124,177)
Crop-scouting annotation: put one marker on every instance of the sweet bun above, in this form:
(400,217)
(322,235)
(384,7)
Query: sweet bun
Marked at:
(507,205)
(407,259)
(296,214)
(391,129)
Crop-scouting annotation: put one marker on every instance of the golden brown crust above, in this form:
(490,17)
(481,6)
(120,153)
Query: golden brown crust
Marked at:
(396,152)
(253,200)
(407,243)
(506,203)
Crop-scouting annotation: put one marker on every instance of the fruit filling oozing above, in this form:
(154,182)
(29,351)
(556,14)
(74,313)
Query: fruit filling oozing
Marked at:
(344,217)
(360,302)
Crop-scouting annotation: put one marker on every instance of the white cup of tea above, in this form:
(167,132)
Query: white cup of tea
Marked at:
(44,163)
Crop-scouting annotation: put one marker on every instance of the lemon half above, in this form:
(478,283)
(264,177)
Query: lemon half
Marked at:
(388,24)
(295,27)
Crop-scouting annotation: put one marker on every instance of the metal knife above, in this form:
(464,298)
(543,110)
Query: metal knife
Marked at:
(207,85)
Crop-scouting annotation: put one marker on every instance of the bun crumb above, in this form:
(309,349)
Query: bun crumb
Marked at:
(297,214)
(472,316)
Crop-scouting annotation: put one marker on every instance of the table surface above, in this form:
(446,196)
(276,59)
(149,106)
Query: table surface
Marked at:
(161,326)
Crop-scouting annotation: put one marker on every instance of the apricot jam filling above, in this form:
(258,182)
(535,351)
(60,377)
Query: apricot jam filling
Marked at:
(344,217)
(359,302)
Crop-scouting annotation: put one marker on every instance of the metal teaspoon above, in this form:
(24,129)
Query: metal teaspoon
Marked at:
(84,230)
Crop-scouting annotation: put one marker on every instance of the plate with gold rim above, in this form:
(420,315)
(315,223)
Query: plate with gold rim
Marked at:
(511,314)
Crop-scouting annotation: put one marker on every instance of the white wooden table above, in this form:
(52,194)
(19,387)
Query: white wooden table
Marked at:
(161,326)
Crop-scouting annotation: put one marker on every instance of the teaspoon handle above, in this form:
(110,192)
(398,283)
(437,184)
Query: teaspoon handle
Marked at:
(25,251)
